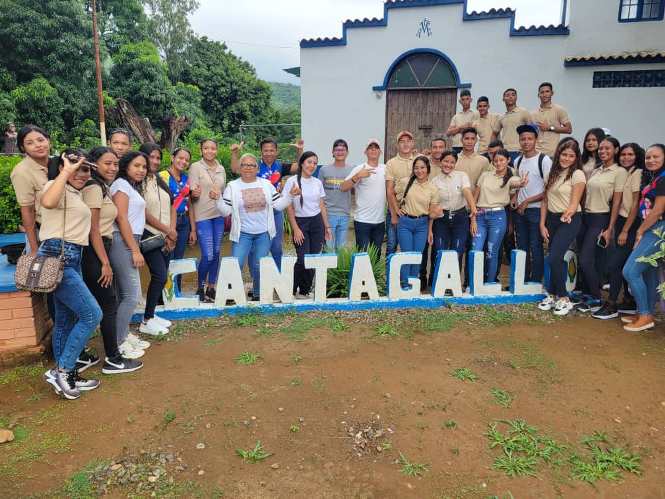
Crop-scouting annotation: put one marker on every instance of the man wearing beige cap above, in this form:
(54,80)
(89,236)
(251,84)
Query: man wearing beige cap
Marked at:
(369,182)
(398,168)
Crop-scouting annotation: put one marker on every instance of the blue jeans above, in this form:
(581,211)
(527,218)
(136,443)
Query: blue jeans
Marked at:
(491,229)
(451,232)
(183,229)
(339,225)
(77,313)
(276,243)
(210,233)
(391,231)
(642,277)
(412,236)
(259,246)
(529,239)
(367,234)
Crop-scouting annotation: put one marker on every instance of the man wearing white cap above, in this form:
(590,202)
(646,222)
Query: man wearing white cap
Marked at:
(369,182)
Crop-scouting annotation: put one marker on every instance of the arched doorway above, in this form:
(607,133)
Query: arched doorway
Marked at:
(421,97)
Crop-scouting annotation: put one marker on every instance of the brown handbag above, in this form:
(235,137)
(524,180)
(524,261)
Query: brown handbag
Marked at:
(42,274)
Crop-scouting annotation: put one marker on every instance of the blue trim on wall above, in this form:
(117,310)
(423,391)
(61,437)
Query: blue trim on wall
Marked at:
(560,29)
(609,61)
(345,306)
(638,18)
(438,53)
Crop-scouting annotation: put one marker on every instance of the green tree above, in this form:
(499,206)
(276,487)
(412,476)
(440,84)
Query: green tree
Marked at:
(187,102)
(38,102)
(170,30)
(121,22)
(7,110)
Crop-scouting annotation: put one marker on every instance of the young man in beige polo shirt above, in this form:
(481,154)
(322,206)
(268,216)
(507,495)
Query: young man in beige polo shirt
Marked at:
(463,119)
(552,120)
(510,120)
(397,168)
(469,160)
(487,124)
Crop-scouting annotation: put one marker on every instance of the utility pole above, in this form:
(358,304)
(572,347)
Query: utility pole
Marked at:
(98,71)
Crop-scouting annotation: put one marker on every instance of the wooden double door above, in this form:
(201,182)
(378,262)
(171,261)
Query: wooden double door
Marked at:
(426,113)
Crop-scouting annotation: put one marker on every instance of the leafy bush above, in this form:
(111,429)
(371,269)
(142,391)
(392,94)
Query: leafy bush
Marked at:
(338,278)
(10,214)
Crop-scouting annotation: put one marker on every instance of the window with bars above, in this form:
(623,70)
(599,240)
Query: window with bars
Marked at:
(641,10)
(620,79)
(422,71)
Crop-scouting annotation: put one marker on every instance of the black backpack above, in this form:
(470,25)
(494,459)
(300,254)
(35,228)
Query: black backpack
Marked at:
(541,158)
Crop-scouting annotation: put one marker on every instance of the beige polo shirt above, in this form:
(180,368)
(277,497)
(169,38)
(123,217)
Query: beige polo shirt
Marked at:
(205,207)
(555,115)
(418,199)
(451,189)
(486,126)
(76,219)
(558,196)
(28,179)
(398,168)
(492,193)
(157,204)
(602,185)
(473,166)
(508,123)
(631,186)
(94,198)
(463,119)
(589,167)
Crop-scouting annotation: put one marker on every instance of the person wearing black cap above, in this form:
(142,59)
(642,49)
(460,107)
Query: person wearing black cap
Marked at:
(526,203)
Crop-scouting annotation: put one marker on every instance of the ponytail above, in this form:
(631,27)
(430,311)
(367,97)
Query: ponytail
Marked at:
(301,161)
(508,175)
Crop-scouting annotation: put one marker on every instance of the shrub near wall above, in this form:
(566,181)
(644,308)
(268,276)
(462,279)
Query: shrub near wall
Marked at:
(10,214)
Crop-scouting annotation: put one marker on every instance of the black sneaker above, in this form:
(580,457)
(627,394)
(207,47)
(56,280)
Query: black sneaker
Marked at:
(86,359)
(84,385)
(121,365)
(64,383)
(588,306)
(211,293)
(627,307)
(607,311)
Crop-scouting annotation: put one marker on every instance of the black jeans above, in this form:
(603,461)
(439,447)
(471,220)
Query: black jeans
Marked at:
(451,232)
(617,257)
(158,263)
(91,269)
(562,236)
(367,234)
(595,223)
(314,232)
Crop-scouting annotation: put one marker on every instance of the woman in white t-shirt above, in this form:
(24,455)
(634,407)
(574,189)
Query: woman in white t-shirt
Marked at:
(309,220)
(126,257)
(250,201)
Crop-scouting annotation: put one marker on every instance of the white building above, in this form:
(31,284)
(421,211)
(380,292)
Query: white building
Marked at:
(606,60)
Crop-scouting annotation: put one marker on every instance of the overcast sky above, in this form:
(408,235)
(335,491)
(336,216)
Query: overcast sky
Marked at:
(266,32)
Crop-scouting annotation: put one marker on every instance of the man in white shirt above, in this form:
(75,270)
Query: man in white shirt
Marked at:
(526,219)
(369,182)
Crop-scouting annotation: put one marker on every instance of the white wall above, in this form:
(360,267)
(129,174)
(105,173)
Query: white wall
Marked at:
(338,100)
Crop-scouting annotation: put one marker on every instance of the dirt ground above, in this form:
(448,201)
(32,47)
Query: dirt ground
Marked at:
(357,405)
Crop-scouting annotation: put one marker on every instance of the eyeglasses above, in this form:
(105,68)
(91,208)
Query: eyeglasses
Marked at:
(247,165)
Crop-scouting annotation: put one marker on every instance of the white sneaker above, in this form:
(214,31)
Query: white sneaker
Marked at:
(547,303)
(563,306)
(163,322)
(302,296)
(129,352)
(137,342)
(153,328)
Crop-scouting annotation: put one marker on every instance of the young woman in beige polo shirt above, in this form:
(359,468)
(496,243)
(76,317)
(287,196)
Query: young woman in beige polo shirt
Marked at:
(492,195)
(590,159)
(207,179)
(601,210)
(561,219)
(418,203)
(65,228)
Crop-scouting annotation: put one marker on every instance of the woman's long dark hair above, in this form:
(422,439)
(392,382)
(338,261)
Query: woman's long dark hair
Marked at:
(647,175)
(20,136)
(148,148)
(615,143)
(124,164)
(55,162)
(639,155)
(412,179)
(95,178)
(509,174)
(557,170)
(301,161)
(599,133)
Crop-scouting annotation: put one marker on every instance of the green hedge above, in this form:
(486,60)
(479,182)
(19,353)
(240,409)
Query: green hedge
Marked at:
(10,214)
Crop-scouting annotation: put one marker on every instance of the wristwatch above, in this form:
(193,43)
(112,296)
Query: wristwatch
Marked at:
(551,128)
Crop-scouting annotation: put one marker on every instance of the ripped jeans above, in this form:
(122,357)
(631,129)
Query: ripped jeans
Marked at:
(491,229)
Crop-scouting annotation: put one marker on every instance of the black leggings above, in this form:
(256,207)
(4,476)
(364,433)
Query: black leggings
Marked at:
(91,268)
(562,236)
(595,223)
(617,257)
(158,263)
(314,232)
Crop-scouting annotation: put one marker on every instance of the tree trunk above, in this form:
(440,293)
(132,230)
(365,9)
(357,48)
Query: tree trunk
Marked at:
(125,114)
(173,128)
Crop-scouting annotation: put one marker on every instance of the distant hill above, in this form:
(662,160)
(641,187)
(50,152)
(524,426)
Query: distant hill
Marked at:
(285,95)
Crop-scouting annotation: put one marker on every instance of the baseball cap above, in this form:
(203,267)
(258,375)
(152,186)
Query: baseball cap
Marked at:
(373,141)
(403,133)
(529,127)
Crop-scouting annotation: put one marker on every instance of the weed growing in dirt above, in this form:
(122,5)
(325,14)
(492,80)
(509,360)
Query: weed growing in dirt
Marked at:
(254,455)
(464,374)
(605,463)
(294,428)
(295,382)
(21,373)
(296,358)
(502,397)
(169,417)
(411,469)
(386,331)
(248,358)
(450,424)
(246,320)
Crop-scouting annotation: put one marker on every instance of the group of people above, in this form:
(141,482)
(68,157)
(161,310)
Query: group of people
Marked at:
(112,210)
